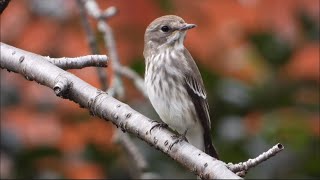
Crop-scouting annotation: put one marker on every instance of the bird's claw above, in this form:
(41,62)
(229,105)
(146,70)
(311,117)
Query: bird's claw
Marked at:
(178,138)
(159,125)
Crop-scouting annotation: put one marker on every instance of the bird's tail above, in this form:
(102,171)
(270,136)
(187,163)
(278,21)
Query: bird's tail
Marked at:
(209,148)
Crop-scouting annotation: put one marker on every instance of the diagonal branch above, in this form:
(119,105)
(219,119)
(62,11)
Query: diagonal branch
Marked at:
(243,167)
(66,85)
(80,62)
(134,76)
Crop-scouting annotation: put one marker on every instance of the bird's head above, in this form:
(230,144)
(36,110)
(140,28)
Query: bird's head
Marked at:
(165,31)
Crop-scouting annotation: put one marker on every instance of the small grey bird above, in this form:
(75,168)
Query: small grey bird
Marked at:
(174,84)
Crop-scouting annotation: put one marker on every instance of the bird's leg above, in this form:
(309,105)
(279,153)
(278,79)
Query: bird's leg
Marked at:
(158,125)
(179,138)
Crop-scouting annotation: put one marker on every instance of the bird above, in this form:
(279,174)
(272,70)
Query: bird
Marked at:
(174,84)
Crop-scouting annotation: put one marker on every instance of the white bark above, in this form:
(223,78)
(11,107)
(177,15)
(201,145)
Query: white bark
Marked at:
(242,167)
(80,62)
(66,85)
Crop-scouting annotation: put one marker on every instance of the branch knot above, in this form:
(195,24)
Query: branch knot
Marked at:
(62,86)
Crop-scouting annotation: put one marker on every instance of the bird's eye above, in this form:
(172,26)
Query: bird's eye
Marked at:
(165,28)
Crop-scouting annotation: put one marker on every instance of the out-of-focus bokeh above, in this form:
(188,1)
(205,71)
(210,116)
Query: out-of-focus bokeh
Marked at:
(259,60)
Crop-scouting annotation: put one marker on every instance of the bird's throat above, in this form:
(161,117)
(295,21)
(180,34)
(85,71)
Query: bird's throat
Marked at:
(174,41)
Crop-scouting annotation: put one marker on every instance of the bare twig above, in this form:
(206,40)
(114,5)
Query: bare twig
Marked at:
(67,85)
(134,153)
(108,13)
(116,88)
(102,74)
(110,44)
(242,167)
(131,74)
(80,62)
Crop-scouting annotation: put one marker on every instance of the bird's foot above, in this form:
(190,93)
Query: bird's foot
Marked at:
(179,138)
(158,125)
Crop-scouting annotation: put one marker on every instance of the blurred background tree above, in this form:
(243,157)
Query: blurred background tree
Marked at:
(259,60)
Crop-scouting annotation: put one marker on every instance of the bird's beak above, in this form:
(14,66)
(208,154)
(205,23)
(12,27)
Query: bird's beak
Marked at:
(187,27)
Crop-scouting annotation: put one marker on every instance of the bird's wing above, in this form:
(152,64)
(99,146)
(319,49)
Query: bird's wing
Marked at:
(196,90)
(197,93)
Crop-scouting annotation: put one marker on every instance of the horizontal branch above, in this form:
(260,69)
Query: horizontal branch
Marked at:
(80,62)
(99,103)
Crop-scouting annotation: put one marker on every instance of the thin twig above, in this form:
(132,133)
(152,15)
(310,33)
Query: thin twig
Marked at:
(132,150)
(242,167)
(102,74)
(80,62)
(116,87)
(134,76)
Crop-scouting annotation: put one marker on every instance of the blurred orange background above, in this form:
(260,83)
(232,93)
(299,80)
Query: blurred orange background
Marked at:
(259,60)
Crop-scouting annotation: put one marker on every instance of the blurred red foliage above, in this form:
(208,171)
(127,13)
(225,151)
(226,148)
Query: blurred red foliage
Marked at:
(32,129)
(314,125)
(253,122)
(305,63)
(83,170)
(219,41)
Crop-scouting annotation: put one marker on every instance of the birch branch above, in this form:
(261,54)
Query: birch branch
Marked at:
(242,167)
(66,85)
(80,62)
